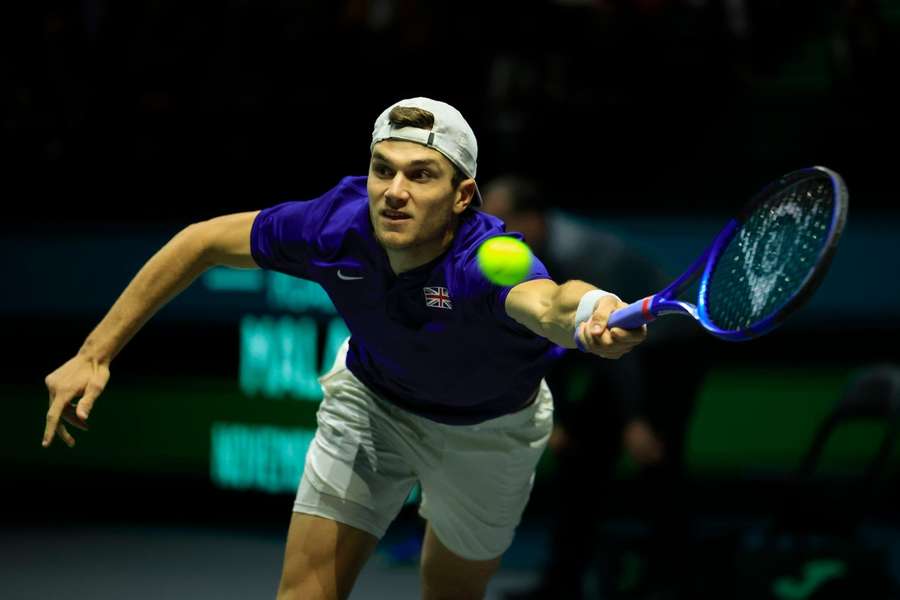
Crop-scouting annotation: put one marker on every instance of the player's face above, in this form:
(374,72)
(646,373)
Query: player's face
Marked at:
(412,200)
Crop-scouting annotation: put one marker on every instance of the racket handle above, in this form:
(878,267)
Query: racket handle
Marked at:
(632,316)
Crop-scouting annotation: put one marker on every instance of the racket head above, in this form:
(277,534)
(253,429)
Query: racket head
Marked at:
(767,262)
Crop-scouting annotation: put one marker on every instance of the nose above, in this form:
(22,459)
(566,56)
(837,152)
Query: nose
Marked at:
(397,194)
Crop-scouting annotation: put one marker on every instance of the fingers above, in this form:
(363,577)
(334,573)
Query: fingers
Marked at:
(609,343)
(631,337)
(61,411)
(70,416)
(65,435)
(627,335)
(600,341)
(93,389)
(57,404)
(78,378)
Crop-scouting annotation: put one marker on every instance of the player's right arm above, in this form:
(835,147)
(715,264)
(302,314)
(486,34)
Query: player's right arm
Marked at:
(223,241)
(550,311)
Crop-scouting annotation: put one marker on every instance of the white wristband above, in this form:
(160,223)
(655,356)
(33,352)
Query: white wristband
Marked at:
(586,309)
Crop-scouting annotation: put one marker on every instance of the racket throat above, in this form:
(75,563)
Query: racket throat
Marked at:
(674,307)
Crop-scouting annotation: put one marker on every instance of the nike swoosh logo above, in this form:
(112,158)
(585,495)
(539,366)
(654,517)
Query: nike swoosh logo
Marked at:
(347,277)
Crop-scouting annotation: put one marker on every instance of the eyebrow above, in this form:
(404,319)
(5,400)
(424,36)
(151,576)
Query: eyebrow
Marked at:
(419,162)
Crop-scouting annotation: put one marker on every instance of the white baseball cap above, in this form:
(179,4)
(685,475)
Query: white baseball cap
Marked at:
(450,135)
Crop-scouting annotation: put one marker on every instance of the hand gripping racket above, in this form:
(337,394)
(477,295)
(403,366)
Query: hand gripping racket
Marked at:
(765,264)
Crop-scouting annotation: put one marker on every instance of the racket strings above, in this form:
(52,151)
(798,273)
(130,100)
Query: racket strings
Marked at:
(771,255)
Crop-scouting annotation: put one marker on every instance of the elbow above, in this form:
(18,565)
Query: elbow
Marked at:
(194,240)
(224,240)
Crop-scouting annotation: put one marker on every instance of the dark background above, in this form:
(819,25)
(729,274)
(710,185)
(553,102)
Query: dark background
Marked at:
(122,122)
(165,112)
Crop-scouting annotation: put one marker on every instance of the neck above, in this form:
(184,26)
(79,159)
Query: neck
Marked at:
(406,259)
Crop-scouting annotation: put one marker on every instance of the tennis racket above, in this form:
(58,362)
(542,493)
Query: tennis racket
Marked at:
(764,265)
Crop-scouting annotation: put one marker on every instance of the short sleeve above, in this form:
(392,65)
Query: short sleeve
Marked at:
(495,295)
(537,271)
(287,236)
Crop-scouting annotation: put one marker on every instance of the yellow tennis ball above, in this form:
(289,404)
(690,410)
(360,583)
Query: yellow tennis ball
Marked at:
(504,260)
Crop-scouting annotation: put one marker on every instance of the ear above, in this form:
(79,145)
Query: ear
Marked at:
(465,193)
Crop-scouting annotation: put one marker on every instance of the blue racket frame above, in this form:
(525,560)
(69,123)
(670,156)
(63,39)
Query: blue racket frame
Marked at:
(662,303)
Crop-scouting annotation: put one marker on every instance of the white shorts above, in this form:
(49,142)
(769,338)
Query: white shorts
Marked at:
(367,455)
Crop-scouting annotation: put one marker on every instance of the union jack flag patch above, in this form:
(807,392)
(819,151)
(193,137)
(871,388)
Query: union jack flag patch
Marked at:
(437,297)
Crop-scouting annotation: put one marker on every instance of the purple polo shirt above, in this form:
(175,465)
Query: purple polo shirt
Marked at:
(435,340)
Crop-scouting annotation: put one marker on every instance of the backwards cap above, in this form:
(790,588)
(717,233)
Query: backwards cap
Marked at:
(450,135)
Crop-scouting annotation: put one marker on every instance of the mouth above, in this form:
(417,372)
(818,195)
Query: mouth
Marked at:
(394,215)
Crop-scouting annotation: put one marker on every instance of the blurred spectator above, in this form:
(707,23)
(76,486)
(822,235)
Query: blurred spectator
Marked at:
(625,83)
(640,403)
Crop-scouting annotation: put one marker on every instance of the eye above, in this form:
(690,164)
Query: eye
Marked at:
(382,170)
(422,175)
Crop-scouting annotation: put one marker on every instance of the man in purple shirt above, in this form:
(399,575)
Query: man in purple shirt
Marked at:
(441,381)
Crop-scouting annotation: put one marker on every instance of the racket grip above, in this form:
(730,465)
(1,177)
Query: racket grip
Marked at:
(632,316)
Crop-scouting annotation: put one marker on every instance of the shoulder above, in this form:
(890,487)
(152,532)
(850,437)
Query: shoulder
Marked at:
(345,198)
(474,228)
(344,202)
(351,187)
(318,222)
(342,211)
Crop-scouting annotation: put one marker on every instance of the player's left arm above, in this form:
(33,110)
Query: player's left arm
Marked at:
(549,310)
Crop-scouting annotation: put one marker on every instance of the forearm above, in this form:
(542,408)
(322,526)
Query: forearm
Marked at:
(164,276)
(557,320)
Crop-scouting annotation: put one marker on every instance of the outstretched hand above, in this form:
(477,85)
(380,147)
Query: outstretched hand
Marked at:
(597,339)
(80,379)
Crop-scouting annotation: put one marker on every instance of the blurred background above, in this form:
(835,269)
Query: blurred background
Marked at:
(644,124)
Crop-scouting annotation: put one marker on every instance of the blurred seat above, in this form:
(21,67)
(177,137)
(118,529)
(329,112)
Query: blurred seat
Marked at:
(816,547)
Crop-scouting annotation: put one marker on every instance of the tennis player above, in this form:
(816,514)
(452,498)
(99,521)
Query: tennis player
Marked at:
(441,381)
